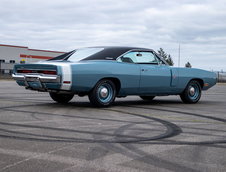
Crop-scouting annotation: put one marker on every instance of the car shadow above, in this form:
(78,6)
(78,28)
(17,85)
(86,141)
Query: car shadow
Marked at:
(126,102)
(87,104)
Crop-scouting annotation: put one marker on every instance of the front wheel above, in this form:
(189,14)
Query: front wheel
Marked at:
(61,98)
(192,92)
(103,94)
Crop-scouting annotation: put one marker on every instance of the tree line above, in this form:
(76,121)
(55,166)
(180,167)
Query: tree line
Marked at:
(168,58)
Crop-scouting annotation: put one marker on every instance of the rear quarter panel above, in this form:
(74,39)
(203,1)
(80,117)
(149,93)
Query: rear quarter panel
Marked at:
(87,73)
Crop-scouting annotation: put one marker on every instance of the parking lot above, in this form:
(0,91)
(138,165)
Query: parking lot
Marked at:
(37,134)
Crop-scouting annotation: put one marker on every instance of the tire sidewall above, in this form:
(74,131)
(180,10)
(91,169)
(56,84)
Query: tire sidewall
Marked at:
(186,95)
(94,95)
(61,98)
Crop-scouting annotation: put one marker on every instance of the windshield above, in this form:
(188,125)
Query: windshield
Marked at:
(83,53)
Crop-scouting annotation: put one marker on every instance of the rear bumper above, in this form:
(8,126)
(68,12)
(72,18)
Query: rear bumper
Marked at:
(41,78)
(38,82)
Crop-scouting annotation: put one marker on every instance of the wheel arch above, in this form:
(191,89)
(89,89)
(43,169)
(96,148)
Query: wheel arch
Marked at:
(116,81)
(201,82)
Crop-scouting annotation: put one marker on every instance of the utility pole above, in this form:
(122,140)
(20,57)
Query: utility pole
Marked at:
(179,55)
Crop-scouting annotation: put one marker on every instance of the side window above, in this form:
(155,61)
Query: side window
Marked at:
(147,57)
(139,57)
(129,57)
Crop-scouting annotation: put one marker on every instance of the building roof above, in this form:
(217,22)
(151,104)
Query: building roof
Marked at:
(16,46)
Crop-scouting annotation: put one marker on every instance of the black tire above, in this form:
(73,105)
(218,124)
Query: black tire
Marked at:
(148,98)
(192,92)
(61,98)
(103,94)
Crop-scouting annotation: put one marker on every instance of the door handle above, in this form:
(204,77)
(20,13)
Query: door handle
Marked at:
(144,70)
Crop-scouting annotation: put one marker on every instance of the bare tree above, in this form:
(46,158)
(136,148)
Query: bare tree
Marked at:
(188,65)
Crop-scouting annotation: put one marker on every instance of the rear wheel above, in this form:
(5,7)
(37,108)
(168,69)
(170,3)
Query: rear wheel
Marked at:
(192,92)
(103,94)
(61,98)
(149,98)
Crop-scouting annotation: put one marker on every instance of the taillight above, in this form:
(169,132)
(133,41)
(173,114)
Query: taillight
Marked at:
(24,71)
(47,72)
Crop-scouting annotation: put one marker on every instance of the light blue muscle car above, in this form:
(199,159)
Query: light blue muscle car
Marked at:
(104,73)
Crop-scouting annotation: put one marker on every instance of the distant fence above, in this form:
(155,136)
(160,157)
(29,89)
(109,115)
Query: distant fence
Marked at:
(221,76)
(6,70)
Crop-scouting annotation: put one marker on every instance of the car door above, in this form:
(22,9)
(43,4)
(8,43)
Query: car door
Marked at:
(155,76)
(129,73)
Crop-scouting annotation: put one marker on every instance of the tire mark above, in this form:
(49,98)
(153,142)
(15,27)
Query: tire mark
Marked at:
(172,130)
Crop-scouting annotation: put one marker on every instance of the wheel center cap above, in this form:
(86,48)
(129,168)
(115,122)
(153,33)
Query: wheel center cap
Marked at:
(192,91)
(104,92)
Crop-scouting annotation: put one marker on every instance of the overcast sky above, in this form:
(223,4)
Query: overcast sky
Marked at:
(199,26)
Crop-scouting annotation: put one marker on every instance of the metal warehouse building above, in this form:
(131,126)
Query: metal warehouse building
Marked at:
(11,54)
(18,54)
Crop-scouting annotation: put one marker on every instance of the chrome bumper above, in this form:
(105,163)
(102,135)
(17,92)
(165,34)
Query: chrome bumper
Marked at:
(34,78)
(41,79)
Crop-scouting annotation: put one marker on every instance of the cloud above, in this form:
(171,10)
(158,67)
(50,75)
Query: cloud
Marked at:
(200,27)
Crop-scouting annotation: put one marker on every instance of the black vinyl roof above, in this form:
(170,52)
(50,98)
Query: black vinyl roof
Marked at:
(109,52)
(112,52)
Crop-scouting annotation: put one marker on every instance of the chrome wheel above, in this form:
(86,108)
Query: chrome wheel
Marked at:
(103,94)
(192,92)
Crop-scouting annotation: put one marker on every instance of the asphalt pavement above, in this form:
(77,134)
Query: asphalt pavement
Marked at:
(37,134)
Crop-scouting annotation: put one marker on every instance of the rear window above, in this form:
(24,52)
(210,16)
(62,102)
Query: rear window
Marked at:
(83,53)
